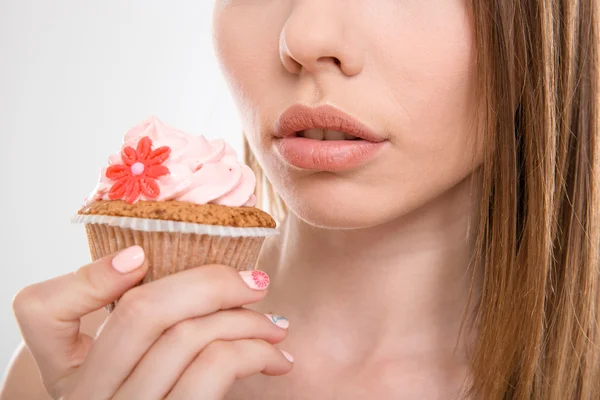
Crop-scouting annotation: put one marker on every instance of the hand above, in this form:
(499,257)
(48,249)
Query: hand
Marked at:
(183,336)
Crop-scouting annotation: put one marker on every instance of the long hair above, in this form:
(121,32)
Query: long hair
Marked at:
(537,319)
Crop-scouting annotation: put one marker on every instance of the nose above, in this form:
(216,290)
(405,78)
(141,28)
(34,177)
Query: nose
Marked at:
(317,36)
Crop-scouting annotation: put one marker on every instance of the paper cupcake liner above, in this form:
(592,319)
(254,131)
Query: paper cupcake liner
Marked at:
(155,225)
(171,252)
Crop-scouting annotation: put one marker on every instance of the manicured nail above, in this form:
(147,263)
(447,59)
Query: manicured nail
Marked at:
(255,279)
(287,355)
(129,259)
(278,320)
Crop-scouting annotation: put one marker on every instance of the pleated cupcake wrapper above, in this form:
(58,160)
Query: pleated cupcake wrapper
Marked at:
(171,252)
(156,225)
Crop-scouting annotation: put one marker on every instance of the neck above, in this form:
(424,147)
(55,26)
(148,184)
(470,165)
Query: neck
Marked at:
(394,288)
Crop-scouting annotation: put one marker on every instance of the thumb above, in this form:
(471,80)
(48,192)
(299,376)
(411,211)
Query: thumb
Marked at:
(98,284)
(49,312)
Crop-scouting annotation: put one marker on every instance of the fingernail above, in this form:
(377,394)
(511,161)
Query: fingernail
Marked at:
(278,320)
(287,355)
(128,259)
(255,279)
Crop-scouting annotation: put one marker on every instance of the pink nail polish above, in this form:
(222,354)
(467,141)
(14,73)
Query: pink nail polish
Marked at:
(255,279)
(129,259)
(287,355)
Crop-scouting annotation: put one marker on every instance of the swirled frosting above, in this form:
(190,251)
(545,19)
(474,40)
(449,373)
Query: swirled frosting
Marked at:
(159,163)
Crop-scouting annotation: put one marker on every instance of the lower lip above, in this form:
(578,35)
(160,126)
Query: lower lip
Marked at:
(327,155)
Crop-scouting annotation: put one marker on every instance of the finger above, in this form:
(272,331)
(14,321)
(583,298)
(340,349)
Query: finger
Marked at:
(221,363)
(167,359)
(48,313)
(145,312)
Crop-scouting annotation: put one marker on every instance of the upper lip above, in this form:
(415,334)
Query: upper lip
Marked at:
(300,118)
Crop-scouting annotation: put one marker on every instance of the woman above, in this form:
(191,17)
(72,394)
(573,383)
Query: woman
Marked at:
(451,250)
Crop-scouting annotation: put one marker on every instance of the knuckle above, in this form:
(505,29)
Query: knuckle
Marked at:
(261,346)
(28,301)
(255,352)
(183,332)
(214,298)
(216,279)
(218,352)
(244,318)
(134,306)
(96,284)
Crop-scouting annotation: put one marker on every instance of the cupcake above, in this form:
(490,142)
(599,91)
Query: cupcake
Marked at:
(187,201)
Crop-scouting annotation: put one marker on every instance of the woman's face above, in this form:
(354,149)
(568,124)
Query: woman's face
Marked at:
(402,69)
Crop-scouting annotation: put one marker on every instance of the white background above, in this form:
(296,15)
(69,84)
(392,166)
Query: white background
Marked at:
(75,75)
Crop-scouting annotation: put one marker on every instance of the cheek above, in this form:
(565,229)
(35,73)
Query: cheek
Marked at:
(430,72)
(246,42)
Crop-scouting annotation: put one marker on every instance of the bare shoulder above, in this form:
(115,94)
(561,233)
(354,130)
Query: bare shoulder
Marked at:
(22,380)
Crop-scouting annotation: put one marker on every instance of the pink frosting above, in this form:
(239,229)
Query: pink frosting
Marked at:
(200,171)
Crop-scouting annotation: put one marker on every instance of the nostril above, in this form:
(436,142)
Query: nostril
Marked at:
(329,60)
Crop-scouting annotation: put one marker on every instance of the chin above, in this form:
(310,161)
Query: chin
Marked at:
(326,201)
(331,218)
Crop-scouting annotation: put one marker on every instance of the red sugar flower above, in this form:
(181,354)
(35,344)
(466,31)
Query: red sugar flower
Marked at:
(138,174)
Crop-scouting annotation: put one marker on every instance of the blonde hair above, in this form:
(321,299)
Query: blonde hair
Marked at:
(538,331)
(266,196)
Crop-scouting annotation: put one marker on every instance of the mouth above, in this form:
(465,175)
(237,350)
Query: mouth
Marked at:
(322,123)
(324,139)
(326,134)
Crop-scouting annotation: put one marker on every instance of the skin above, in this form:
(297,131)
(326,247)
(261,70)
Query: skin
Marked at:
(379,305)
(178,336)
(374,310)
